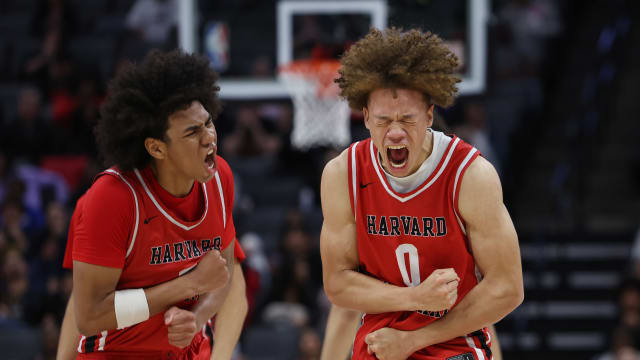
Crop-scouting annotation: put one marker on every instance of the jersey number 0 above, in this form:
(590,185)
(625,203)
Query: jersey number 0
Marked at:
(414,266)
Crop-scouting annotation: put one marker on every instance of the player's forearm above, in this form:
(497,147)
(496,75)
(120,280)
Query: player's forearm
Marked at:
(487,303)
(230,317)
(69,334)
(353,290)
(210,303)
(341,329)
(159,299)
(92,317)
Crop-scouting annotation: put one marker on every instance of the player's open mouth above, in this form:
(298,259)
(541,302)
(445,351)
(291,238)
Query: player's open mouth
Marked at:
(397,155)
(209,159)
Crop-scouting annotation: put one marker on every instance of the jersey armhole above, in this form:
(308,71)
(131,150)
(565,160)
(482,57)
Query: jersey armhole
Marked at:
(462,168)
(352,181)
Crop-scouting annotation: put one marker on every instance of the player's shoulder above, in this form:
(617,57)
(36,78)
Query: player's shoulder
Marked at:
(338,165)
(480,176)
(109,189)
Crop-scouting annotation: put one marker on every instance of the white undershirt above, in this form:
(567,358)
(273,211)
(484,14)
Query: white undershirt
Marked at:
(409,183)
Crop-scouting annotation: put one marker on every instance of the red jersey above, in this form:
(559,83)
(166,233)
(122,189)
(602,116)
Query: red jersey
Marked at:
(403,237)
(128,221)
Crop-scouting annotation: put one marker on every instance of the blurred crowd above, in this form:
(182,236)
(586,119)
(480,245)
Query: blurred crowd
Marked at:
(54,73)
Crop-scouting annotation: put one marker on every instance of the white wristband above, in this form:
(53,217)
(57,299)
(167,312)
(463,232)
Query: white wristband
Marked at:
(131,307)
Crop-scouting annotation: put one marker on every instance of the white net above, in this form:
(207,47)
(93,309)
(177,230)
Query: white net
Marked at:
(320,117)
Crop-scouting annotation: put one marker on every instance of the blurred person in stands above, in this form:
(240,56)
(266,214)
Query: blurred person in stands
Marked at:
(249,138)
(475,131)
(29,133)
(415,233)
(14,285)
(309,347)
(54,16)
(622,347)
(295,281)
(154,243)
(45,256)
(629,305)
(153,20)
(12,226)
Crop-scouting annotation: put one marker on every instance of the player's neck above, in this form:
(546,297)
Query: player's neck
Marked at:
(425,152)
(171,182)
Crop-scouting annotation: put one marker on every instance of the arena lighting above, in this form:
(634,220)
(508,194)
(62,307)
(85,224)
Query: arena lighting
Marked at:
(473,81)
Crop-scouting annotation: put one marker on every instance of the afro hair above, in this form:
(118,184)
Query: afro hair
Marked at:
(143,96)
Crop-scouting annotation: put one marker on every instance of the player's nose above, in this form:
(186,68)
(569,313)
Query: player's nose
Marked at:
(395,133)
(210,136)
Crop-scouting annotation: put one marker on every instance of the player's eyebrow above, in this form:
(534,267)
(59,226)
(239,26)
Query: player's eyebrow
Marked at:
(387,117)
(191,128)
(196,127)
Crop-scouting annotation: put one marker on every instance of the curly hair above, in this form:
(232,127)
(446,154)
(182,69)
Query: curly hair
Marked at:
(396,59)
(143,96)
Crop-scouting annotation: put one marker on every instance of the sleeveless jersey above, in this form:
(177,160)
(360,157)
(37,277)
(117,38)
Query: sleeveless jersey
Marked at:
(403,238)
(160,248)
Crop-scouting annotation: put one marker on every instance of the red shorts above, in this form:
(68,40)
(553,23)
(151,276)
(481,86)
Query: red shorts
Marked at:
(475,346)
(199,349)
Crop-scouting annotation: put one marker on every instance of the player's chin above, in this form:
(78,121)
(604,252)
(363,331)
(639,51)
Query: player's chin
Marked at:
(207,176)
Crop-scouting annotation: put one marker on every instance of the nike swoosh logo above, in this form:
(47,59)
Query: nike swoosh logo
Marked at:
(362,186)
(147,220)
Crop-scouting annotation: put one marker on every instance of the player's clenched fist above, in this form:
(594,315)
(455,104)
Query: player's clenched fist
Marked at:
(437,292)
(181,326)
(388,344)
(211,272)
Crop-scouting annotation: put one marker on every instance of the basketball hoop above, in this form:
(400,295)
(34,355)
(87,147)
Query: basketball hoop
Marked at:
(320,116)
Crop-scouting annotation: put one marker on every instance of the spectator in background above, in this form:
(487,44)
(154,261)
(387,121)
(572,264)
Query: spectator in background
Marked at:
(622,346)
(28,134)
(46,251)
(54,17)
(153,20)
(14,284)
(309,348)
(5,166)
(249,137)
(474,130)
(87,101)
(629,304)
(12,227)
(296,278)
(532,22)
(257,272)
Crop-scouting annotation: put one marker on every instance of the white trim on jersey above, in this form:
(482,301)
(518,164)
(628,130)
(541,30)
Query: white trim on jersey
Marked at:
(174,221)
(80,343)
(103,340)
(224,213)
(135,198)
(472,344)
(455,186)
(377,166)
(354,178)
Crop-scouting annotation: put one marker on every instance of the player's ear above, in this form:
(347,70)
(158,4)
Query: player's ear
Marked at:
(430,110)
(365,114)
(156,148)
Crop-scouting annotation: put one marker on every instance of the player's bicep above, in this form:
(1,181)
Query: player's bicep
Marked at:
(492,237)
(93,289)
(338,235)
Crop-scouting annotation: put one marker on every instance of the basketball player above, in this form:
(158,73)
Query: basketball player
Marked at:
(415,234)
(230,316)
(153,249)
